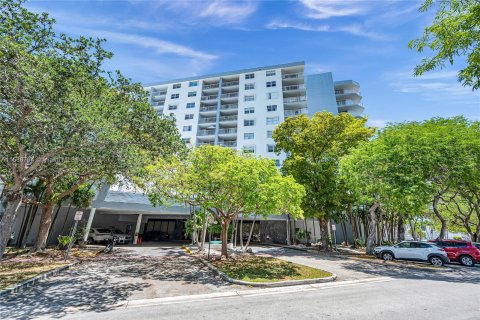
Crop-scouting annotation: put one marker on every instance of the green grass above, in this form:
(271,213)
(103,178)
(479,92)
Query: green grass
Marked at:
(267,269)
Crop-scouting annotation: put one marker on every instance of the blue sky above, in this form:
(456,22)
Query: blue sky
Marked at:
(361,40)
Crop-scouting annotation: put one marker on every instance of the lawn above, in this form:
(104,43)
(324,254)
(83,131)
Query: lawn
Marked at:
(267,269)
(15,272)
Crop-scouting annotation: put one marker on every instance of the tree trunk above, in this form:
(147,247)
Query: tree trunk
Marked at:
(45,223)
(353,225)
(443,229)
(224,238)
(14,201)
(345,235)
(204,233)
(233,233)
(251,232)
(324,232)
(288,231)
(371,240)
(23,226)
(400,229)
(413,229)
(50,231)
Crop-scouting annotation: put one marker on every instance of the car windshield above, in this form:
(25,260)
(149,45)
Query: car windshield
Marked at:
(477,245)
(103,231)
(116,231)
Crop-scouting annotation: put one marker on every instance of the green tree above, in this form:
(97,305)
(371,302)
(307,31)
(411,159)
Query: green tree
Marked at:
(224,183)
(455,33)
(60,111)
(314,147)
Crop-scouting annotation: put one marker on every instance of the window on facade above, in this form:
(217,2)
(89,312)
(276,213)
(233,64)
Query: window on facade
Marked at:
(249,98)
(189,116)
(271,84)
(190,105)
(175,96)
(249,149)
(272,120)
(272,95)
(249,123)
(270,148)
(249,86)
(177,86)
(277,162)
(250,76)
(270,73)
(193,83)
(192,93)
(269,133)
(187,128)
(272,107)
(186,140)
(248,136)
(172,107)
(249,110)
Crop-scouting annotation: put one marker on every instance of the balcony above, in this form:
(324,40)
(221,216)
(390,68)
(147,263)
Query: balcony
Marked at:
(211,97)
(293,113)
(207,120)
(204,133)
(295,87)
(210,86)
(206,143)
(295,99)
(230,84)
(158,104)
(228,118)
(229,144)
(343,103)
(209,108)
(227,131)
(229,95)
(292,76)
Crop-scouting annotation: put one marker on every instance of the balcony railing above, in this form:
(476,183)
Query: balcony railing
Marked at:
(207,120)
(295,99)
(230,95)
(229,106)
(346,91)
(206,132)
(230,84)
(158,104)
(343,103)
(210,86)
(227,131)
(292,76)
(294,87)
(289,113)
(229,144)
(228,118)
(209,97)
(205,143)
(211,108)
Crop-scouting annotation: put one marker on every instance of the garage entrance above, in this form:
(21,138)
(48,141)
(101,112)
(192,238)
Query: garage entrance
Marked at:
(163,230)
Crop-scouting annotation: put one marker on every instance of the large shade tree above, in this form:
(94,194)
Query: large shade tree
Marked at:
(59,110)
(224,183)
(314,147)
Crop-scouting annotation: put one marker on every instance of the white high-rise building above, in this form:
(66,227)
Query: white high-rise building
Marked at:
(240,109)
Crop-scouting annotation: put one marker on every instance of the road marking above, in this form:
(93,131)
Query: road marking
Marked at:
(248,293)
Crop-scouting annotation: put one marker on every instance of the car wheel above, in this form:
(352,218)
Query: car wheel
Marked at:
(387,256)
(90,241)
(466,261)
(436,261)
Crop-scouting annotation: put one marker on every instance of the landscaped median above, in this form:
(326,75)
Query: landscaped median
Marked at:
(261,271)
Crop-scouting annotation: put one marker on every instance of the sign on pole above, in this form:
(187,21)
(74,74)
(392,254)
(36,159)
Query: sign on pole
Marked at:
(78,216)
(334,227)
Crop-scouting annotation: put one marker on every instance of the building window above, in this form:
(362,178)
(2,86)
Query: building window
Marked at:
(175,96)
(177,86)
(192,93)
(186,140)
(249,98)
(269,133)
(249,149)
(272,107)
(187,128)
(270,73)
(277,162)
(190,105)
(272,95)
(248,123)
(271,84)
(249,110)
(172,107)
(189,116)
(248,136)
(249,86)
(250,76)
(193,83)
(272,120)
(270,148)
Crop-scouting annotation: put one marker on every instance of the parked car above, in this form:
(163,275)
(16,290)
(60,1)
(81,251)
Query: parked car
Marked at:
(413,250)
(99,235)
(123,238)
(155,236)
(476,244)
(461,251)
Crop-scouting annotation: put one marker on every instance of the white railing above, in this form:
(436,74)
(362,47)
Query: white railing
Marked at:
(207,120)
(295,99)
(209,97)
(227,131)
(228,118)
(206,133)
(292,76)
(289,113)
(230,95)
(228,106)
(230,83)
(229,144)
(210,86)
(211,108)
(294,87)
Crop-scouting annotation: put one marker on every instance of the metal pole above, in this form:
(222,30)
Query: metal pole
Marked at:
(209,240)
(335,239)
(71,240)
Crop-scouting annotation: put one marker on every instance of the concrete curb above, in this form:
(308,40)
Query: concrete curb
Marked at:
(266,284)
(29,282)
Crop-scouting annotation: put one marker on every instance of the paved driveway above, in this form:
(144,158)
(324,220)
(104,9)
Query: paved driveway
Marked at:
(137,273)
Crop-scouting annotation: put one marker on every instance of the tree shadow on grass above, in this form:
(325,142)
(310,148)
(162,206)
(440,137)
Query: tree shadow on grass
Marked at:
(258,268)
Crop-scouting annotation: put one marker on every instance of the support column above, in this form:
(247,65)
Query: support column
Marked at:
(137,228)
(89,223)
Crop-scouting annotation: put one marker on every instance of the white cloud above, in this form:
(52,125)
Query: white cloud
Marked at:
(229,12)
(324,9)
(378,123)
(353,29)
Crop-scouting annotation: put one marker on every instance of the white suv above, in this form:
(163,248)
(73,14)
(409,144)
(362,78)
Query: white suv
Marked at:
(413,250)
